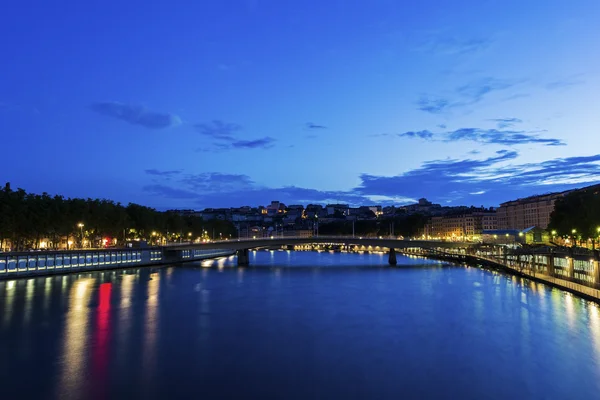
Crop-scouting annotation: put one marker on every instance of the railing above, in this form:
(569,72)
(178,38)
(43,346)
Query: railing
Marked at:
(39,263)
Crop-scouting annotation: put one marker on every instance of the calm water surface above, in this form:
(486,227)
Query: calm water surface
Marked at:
(296,325)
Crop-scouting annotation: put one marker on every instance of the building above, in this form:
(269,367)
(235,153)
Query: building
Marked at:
(342,209)
(462,226)
(527,212)
(424,207)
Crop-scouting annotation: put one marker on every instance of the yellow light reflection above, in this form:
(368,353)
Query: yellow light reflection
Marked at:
(47,290)
(75,337)
(29,291)
(151,325)
(124,324)
(10,298)
(570,309)
(594,321)
(221,263)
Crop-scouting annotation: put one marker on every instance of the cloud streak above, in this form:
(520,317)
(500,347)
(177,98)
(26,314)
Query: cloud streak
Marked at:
(506,122)
(218,130)
(136,115)
(465,95)
(487,136)
(225,137)
(310,125)
(457,181)
(156,172)
(448,45)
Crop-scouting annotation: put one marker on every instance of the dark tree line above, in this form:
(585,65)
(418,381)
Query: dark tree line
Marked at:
(577,215)
(29,220)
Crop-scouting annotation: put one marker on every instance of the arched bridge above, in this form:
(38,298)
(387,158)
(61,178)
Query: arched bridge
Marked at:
(242,246)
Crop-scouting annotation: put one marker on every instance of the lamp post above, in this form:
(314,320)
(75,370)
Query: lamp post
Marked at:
(573,232)
(80,225)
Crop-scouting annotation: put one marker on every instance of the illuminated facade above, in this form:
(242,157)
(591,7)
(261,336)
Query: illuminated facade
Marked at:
(527,212)
(467,226)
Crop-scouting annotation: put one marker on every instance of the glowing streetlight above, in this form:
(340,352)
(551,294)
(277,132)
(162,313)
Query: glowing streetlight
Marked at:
(80,225)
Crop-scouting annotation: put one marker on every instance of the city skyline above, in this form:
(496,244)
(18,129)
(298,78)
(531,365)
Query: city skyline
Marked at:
(243,102)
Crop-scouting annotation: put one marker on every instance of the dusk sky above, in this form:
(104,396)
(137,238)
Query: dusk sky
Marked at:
(193,104)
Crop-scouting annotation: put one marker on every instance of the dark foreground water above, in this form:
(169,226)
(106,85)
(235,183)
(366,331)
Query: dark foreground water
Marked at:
(296,326)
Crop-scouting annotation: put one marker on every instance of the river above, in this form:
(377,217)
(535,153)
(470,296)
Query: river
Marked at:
(296,325)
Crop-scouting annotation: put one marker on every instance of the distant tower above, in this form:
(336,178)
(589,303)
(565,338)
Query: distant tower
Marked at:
(7,187)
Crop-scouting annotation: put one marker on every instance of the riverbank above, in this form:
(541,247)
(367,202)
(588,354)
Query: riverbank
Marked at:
(586,292)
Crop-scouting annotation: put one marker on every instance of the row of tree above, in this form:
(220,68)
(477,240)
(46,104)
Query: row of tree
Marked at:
(577,215)
(29,220)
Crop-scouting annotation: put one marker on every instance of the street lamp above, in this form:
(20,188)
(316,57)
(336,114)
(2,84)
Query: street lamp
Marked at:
(573,236)
(80,225)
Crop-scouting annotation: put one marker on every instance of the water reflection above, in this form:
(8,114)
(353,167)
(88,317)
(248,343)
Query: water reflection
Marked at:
(340,331)
(29,295)
(102,333)
(151,327)
(125,317)
(47,293)
(569,300)
(10,287)
(75,338)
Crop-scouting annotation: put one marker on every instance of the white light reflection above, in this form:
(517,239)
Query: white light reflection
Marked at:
(151,327)
(8,305)
(570,309)
(124,324)
(204,319)
(47,290)
(240,275)
(29,291)
(594,322)
(75,339)
(221,263)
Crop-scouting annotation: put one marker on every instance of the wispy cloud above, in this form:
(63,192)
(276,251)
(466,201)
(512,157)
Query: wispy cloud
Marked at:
(419,134)
(225,136)
(443,43)
(565,83)
(489,179)
(488,136)
(156,172)
(170,191)
(476,90)
(227,190)
(217,182)
(461,181)
(435,105)
(506,122)
(136,115)
(219,130)
(465,95)
(310,125)
(264,143)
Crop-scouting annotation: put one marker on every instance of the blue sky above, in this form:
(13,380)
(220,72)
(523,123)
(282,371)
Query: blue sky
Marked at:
(194,104)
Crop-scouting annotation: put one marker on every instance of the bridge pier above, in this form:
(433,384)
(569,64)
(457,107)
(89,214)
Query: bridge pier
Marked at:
(392,257)
(242,257)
